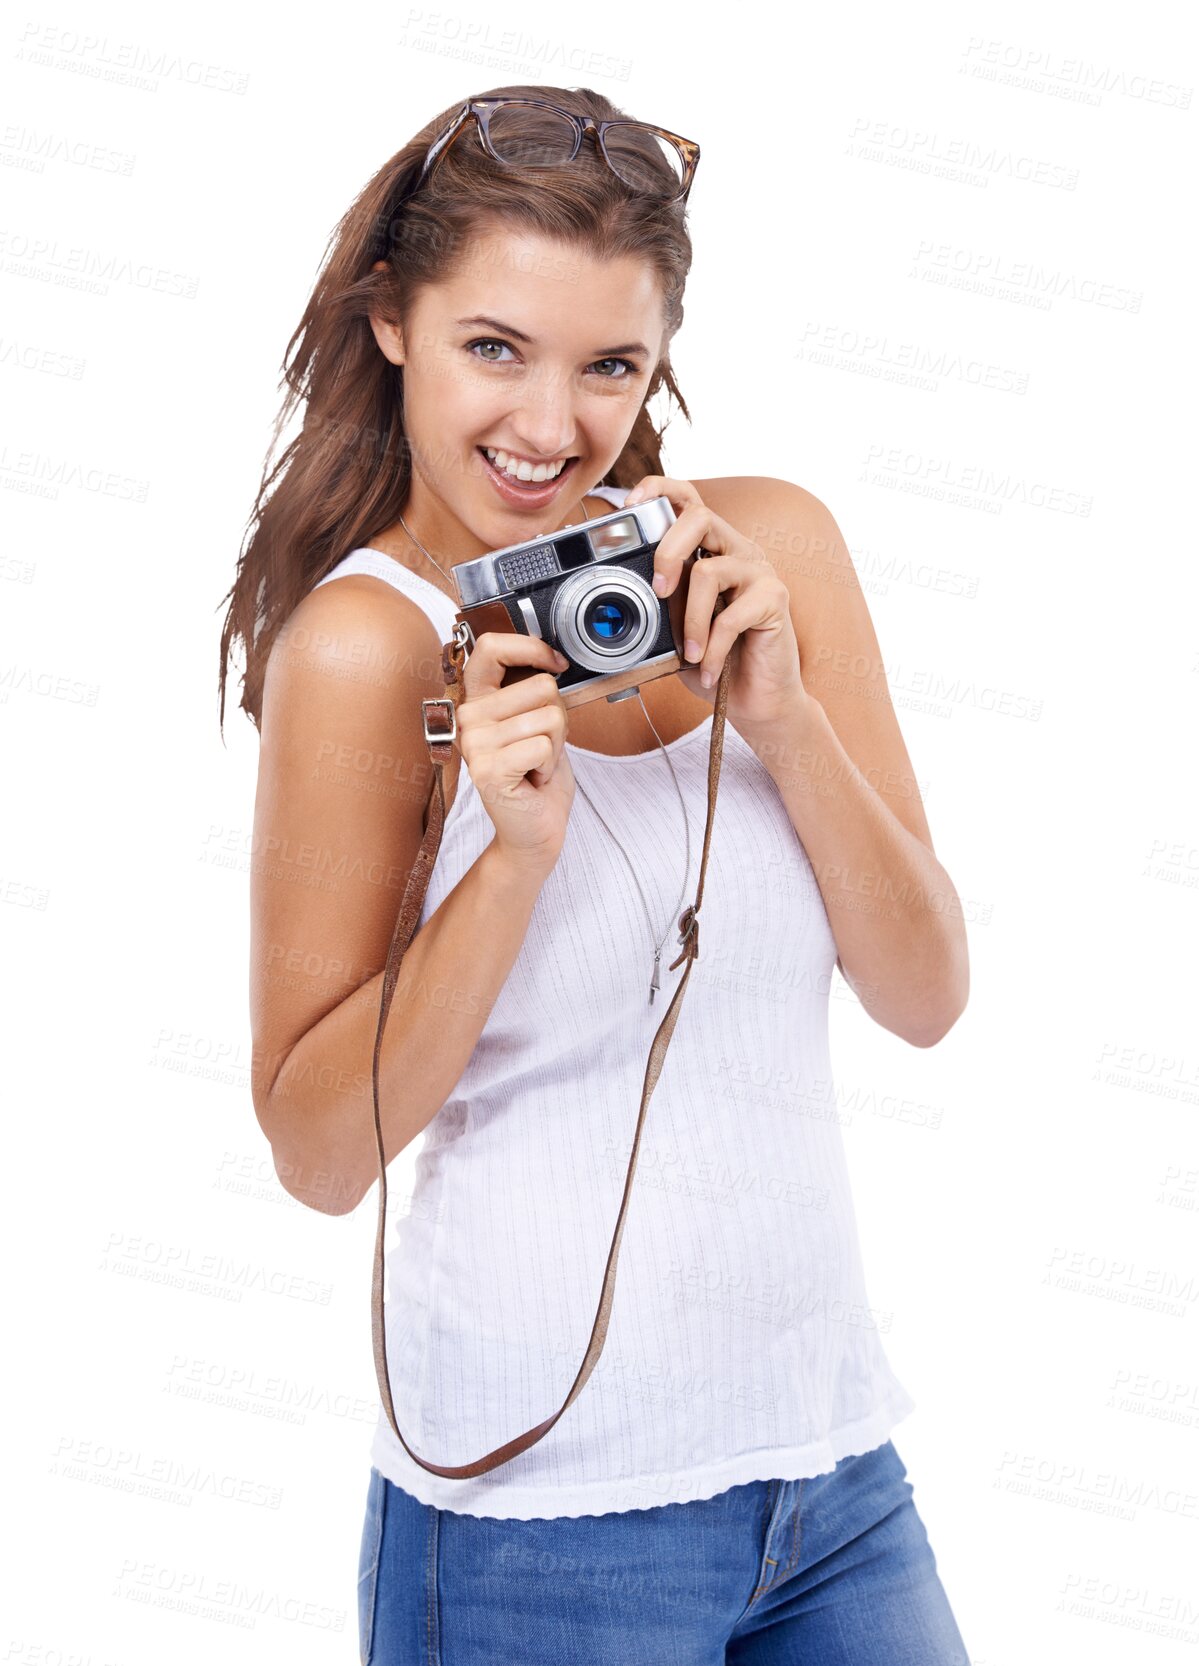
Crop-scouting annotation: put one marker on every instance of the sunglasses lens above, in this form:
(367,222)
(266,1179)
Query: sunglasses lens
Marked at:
(644,160)
(526,137)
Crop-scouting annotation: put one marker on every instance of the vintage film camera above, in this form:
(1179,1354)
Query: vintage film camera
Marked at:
(587,590)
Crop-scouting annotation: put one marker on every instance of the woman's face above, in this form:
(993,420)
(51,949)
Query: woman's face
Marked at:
(529,351)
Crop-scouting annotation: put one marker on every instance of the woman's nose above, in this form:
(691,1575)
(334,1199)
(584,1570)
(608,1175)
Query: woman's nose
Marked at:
(544,425)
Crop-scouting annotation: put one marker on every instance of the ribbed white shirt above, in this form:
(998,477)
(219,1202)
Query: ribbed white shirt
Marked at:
(741,1344)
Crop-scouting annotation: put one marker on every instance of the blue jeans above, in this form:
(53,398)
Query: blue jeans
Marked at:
(829,1570)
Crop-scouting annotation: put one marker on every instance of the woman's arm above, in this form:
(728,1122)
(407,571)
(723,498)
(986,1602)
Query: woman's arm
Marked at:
(344,773)
(843,772)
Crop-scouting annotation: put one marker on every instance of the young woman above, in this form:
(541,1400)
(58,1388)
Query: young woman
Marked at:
(477,360)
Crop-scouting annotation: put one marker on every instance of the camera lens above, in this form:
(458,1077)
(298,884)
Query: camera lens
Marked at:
(605,617)
(608,619)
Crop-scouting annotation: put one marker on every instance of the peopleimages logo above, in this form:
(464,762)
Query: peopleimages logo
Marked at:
(957,157)
(1039,70)
(77,267)
(125,62)
(868,353)
(993,273)
(886,465)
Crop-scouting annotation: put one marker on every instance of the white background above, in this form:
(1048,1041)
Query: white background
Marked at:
(994,200)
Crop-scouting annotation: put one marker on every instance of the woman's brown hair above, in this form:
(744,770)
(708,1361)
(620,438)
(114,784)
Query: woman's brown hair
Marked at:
(345,477)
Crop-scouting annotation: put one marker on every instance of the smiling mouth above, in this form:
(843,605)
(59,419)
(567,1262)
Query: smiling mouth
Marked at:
(532,487)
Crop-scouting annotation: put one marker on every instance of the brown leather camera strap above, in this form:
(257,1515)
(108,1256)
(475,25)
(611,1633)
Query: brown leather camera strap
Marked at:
(441,742)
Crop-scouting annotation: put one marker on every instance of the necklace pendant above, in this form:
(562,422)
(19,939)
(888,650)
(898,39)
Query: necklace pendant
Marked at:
(654,984)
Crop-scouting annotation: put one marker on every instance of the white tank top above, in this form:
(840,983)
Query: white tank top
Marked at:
(741,1345)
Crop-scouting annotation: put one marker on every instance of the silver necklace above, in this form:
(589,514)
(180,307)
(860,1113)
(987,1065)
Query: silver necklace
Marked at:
(437,563)
(655,985)
(424,551)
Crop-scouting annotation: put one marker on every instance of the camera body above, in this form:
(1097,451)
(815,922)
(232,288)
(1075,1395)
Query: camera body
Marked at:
(587,590)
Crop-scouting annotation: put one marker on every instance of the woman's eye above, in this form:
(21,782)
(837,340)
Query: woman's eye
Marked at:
(617,371)
(488,341)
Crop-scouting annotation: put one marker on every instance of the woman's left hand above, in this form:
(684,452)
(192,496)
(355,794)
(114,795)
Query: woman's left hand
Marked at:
(754,629)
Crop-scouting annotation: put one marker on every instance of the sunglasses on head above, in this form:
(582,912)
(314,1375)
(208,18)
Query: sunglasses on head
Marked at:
(529,133)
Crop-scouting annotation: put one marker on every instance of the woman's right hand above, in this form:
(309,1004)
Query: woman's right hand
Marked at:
(511,740)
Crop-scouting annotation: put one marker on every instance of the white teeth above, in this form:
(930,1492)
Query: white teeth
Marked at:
(521,470)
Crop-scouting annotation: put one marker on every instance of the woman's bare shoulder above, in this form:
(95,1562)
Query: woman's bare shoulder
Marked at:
(842,662)
(360,628)
(731,495)
(789,523)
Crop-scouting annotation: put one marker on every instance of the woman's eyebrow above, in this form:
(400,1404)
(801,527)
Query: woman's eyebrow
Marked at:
(519,335)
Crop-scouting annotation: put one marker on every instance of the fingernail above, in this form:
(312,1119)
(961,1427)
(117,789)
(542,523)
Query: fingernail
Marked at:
(561,658)
(691,649)
(708,678)
(660,584)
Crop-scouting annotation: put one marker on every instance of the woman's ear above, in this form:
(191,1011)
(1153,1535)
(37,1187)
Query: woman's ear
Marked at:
(389,336)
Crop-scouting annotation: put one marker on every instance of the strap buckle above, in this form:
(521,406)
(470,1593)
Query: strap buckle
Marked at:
(688,936)
(449,734)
